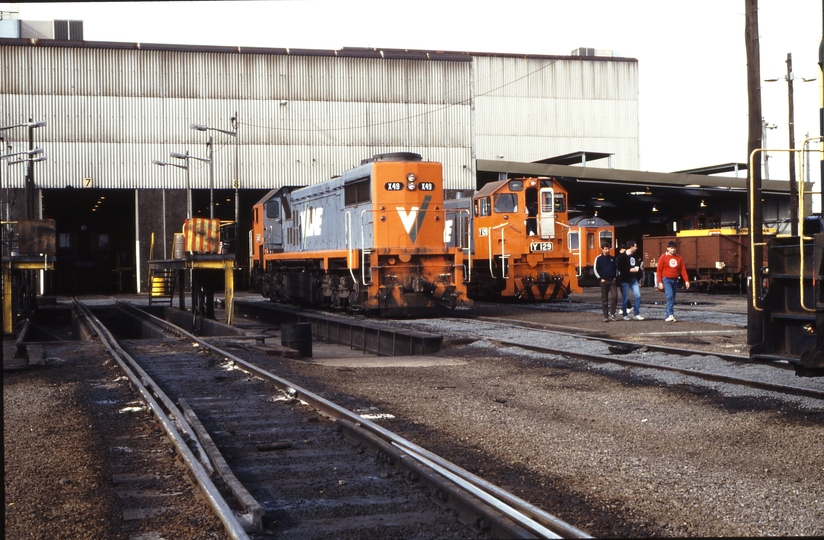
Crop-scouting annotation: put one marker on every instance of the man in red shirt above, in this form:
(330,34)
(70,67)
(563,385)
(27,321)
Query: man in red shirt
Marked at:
(670,268)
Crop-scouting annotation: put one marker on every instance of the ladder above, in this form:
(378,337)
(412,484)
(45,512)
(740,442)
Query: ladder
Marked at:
(162,282)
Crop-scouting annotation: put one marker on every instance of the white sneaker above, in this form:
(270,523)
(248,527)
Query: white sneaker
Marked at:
(639,318)
(671,318)
(627,318)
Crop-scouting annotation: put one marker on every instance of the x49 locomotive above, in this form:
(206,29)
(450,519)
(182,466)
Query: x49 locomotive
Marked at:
(370,240)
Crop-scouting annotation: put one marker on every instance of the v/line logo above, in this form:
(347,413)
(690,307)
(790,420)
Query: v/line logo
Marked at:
(310,221)
(413,220)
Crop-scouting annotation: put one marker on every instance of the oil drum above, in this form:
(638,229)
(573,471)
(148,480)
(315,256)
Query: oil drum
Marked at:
(297,336)
(178,249)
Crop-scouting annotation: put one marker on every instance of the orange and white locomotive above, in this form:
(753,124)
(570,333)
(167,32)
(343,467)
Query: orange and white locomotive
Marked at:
(370,240)
(515,230)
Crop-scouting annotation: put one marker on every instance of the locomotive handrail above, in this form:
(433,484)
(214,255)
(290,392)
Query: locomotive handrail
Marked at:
(364,251)
(796,153)
(800,213)
(351,250)
(580,271)
(757,275)
(468,272)
(503,246)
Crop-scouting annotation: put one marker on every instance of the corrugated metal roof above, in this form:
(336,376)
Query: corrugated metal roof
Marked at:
(304,116)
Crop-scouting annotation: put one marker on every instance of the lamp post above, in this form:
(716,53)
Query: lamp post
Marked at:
(794,202)
(31,125)
(210,161)
(236,181)
(30,161)
(185,167)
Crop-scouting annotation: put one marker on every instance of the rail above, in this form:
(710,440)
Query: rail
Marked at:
(233,527)
(525,515)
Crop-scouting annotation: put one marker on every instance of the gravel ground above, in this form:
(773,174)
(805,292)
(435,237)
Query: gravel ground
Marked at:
(72,427)
(614,452)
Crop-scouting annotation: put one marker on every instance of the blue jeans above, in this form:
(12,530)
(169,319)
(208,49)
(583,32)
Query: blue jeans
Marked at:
(636,292)
(670,288)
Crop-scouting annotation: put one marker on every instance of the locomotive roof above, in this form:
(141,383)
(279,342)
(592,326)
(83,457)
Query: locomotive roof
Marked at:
(593,221)
(491,187)
(276,192)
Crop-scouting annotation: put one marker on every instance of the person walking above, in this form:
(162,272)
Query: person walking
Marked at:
(606,270)
(629,268)
(670,268)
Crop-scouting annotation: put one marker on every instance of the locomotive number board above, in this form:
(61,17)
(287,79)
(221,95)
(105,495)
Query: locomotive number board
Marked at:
(540,246)
(398,186)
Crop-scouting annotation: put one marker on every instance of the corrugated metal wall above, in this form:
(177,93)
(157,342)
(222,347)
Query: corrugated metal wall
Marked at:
(532,108)
(303,119)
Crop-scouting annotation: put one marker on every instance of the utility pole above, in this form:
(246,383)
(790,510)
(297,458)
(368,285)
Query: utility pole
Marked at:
(756,318)
(793,186)
(821,111)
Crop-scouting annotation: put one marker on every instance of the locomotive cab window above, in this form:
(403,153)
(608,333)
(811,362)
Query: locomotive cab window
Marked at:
(573,240)
(506,203)
(516,185)
(272,210)
(560,202)
(357,192)
(605,236)
(482,207)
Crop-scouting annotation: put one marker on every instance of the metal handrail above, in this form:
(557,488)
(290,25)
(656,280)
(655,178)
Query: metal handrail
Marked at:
(364,251)
(502,226)
(468,250)
(347,220)
(801,238)
(796,153)
(750,208)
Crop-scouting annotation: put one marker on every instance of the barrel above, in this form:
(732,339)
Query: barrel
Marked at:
(178,249)
(297,336)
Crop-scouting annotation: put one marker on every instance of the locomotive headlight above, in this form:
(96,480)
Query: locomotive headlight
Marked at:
(410,181)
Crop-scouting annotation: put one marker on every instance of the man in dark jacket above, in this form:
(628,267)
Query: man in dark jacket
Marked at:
(629,268)
(606,271)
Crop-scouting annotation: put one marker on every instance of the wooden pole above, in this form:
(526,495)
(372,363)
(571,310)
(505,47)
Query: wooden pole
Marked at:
(755,333)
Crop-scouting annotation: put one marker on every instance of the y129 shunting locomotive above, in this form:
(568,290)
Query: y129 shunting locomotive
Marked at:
(370,240)
(517,232)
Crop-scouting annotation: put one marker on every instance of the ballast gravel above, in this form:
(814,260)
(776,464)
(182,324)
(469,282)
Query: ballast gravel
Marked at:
(616,451)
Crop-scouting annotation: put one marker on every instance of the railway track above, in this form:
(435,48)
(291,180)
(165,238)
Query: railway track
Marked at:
(582,345)
(296,464)
(588,346)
